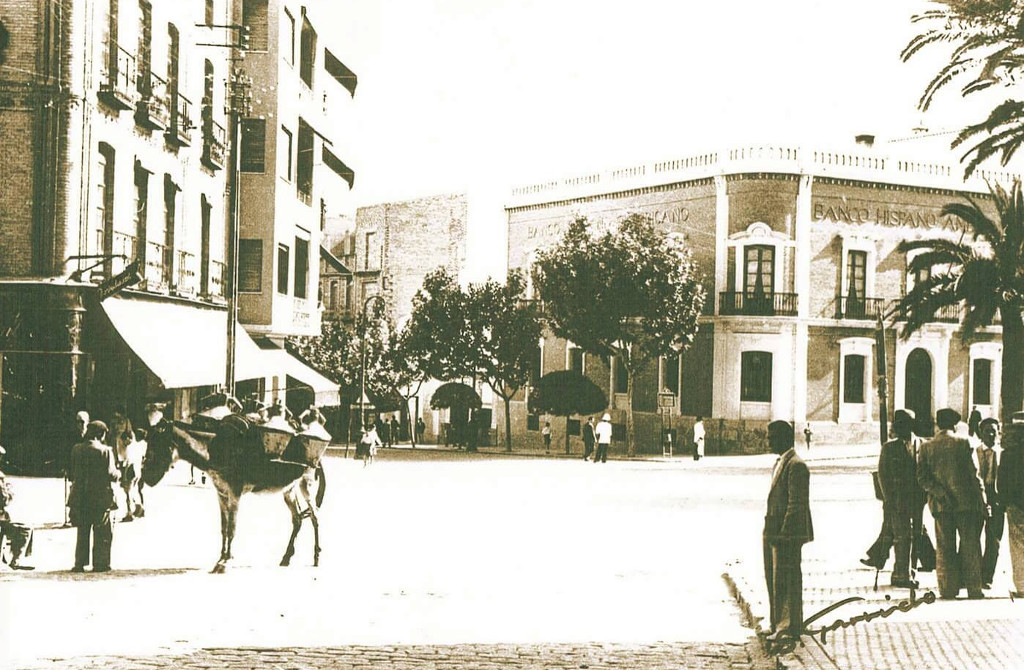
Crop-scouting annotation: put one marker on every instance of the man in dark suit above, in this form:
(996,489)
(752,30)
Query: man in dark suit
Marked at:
(988,466)
(589,438)
(956,498)
(903,499)
(91,472)
(787,526)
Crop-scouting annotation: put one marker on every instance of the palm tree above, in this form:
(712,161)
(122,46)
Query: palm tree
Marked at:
(987,278)
(987,37)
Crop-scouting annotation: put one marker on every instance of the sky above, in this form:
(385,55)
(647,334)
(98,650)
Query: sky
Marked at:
(477,96)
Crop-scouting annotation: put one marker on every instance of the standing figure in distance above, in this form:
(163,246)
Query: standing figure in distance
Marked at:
(988,454)
(1010,484)
(92,471)
(698,439)
(956,498)
(546,433)
(589,438)
(603,432)
(903,499)
(421,429)
(394,430)
(974,422)
(787,527)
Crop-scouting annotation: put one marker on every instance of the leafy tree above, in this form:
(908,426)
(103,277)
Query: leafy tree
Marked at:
(987,40)
(460,398)
(630,293)
(330,353)
(564,393)
(987,278)
(439,336)
(505,328)
(397,370)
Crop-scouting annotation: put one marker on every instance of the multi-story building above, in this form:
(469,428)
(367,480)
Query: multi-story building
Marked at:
(114,151)
(292,174)
(335,288)
(797,249)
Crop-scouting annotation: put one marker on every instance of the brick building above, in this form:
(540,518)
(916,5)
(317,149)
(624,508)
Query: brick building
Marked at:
(113,118)
(797,251)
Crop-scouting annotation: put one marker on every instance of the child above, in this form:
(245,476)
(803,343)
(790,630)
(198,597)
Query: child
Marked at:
(546,432)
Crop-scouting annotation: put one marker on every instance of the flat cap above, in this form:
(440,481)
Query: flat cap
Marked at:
(904,414)
(947,418)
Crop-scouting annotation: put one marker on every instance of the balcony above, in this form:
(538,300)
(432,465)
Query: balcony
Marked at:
(944,314)
(117,83)
(213,142)
(153,109)
(125,244)
(734,303)
(218,272)
(185,279)
(158,266)
(179,131)
(859,308)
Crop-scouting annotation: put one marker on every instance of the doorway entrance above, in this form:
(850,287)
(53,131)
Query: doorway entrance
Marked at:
(917,390)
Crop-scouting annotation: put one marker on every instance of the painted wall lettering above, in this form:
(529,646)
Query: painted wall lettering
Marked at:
(883,215)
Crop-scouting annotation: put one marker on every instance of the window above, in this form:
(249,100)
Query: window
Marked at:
(759,274)
(620,378)
(282,268)
(172,65)
(204,246)
(922,275)
(575,359)
(103,224)
(669,374)
(285,153)
(253,149)
(254,16)
(348,294)
(170,220)
(208,13)
(141,210)
(288,38)
(537,365)
(145,49)
(332,295)
(110,43)
(250,266)
(304,163)
(369,250)
(853,379)
(207,91)
(756,376)
(301,267)
(532,422)
(572,427)
(856,273)
(982,385)
(307,52)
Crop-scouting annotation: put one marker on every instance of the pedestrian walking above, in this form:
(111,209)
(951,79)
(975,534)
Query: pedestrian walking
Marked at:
(787,527)
(1010,485)
(698,439)
(956,499)
(546,433)
(903,499)
(421,429)
(92,472)
(394,430)
(603,432)
(589,438)
(988,455)
(19,535)
(369,443)
(384,432)
(974,422)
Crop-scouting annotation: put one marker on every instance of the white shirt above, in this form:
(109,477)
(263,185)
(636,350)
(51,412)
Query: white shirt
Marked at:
(603,432)
(698,431)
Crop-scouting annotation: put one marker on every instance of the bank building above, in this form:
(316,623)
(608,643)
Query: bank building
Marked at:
(797,249)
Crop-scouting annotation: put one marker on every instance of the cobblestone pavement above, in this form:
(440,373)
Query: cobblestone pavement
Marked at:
(658,656)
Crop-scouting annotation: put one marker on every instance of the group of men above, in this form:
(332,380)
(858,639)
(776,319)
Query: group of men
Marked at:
(599,436)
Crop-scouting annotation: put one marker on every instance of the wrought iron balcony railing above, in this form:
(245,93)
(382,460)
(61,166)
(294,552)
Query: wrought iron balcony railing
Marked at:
(218,271)
(213,142)
(117,83)
(848,307)
(153,110)
(944,314)
(179,131)
(125,244)
(158,266)
(185,275)
(733,303)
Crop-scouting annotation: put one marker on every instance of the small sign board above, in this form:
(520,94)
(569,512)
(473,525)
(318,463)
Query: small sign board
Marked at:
(127,277)
(666,400)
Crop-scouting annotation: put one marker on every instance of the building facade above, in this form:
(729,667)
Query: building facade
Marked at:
(114,215)
(796,249)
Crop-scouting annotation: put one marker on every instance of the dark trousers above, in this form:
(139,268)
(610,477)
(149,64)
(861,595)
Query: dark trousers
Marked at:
(878,553)
(958,568)
(905,525)
(602,453)
(101,532)
(994,526)
(588,448)
(785,587)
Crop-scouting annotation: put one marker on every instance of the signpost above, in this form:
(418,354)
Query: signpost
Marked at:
(880,365)
(666,403)
(127,277)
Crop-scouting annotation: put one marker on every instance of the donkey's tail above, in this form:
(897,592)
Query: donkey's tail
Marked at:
(321,488)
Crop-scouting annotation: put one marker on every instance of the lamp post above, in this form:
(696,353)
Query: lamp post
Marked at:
(362,358)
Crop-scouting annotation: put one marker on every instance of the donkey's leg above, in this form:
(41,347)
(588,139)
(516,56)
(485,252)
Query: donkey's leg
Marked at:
(292,500)
(227,525)
(312,510)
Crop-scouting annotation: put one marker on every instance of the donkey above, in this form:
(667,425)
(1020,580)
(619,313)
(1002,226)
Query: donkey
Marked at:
(235,467)
(129,452)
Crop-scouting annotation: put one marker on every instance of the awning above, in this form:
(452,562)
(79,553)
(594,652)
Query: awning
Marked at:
(183,345)
(339,167)
(341,73)
(280,362)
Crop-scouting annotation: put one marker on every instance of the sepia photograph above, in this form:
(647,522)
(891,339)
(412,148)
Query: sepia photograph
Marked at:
(316,316)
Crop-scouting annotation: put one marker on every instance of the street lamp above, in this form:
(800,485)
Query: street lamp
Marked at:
(362,358)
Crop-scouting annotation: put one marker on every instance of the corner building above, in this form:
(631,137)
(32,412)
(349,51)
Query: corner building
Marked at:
(796,248)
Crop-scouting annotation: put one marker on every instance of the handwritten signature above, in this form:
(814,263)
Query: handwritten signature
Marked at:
(786,645)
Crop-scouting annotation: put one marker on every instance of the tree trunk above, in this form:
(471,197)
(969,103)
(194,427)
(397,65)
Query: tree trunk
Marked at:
(1011,395)
(508,422)
(630,427)
(410,423)
(566,434)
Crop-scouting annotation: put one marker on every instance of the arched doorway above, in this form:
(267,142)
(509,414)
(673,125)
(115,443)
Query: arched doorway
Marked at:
(917,389)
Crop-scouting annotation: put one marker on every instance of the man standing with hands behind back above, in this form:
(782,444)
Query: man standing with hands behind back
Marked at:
(92,471)
(787,526)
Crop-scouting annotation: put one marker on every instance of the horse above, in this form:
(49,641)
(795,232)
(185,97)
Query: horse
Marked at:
(237,466)
(129,453)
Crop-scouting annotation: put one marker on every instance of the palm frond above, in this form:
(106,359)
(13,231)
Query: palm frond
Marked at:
(979,222)
(919,305)
(935,244)
(977,316)
(921,41)
(944,76)
(929,259)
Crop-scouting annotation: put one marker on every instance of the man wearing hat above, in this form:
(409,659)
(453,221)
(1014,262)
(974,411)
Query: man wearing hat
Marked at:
(19,535)
(603,433)
(92,471)
(956,498)
(989,454)
(787,527)
(903,499)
